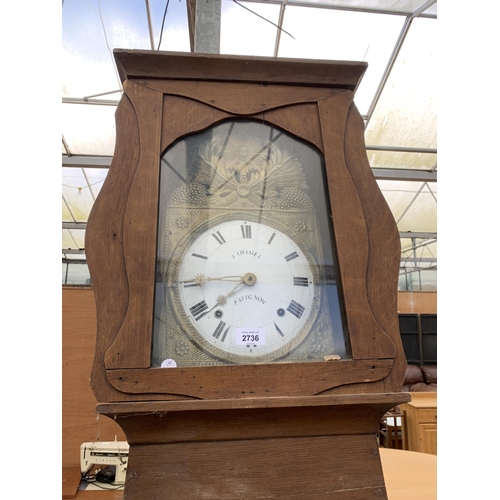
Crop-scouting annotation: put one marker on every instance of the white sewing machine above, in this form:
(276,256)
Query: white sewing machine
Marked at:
(105,453)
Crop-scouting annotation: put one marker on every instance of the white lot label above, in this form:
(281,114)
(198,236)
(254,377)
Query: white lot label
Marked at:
(250,336)
(168,363)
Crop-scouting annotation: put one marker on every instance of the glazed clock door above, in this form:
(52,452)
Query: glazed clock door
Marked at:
(246,267)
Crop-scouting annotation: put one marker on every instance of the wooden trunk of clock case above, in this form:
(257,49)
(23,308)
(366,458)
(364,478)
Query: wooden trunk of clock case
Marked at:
(301,430)
(291,468)
(328,112)
(313,447)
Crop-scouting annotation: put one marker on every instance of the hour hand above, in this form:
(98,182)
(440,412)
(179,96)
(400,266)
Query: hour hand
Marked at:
(248,280)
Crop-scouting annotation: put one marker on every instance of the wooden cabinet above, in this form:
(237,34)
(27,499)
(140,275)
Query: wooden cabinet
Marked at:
(420,422)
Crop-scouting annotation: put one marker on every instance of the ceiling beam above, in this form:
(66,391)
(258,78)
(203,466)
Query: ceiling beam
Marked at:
(413,234)
(402,234)
(404,174)
(74,225)
(85,161)
(326,5)
(90,100)
(391,174)
(400,149)
(423,8)
(390,64)
(419,260)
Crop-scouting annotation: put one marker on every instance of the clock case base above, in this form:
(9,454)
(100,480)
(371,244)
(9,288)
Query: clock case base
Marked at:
(304,447)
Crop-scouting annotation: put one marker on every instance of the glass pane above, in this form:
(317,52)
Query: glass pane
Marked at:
(66,214)
(92,29)
(239,27)
(406,114)
(89,129)
(413,204)
(78,198)
(391,159)
(418,280)
(407,6)
(246,269)
(418,249)
(95,178)
(78,274)
(73,239)
(347,36)
(64,272)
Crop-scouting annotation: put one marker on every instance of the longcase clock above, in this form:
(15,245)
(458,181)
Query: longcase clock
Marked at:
(244,264)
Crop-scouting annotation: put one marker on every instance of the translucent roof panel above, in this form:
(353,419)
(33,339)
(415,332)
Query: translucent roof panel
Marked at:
(239,27)
(73,239)
(419,248)
(396,159)
(413,204)
(402,117)
(77,195)
(406,112)
(91,30)
(89,129)
(403,6)
(66,213)
(340,35)
(95,178)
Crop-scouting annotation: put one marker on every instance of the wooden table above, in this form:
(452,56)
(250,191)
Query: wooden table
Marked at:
(408,476)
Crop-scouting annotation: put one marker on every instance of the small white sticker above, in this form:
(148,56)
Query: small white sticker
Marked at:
(250,336)
(169,363)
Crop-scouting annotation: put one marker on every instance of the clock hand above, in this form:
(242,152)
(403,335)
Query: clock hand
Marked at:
(201,279)
(248,279)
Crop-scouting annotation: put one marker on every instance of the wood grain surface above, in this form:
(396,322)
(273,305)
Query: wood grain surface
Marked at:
(306,379)
(137,64)
(164,101)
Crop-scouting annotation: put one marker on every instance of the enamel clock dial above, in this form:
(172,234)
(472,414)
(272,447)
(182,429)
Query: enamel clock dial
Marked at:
(246,265)
(246,288)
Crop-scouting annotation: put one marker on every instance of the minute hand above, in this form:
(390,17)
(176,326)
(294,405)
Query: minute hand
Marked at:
(201,279)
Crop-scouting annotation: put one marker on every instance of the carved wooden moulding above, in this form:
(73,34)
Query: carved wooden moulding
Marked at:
(240,246)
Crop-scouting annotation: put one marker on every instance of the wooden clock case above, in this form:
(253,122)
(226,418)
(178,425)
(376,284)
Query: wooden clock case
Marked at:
(295,430)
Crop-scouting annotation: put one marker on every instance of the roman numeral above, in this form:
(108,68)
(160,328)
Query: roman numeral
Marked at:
(291,256)
(300,281)
(246,231)
(220,239)
(278,330)
(296,309)
(199,256)
(198,310)
(271,238)
(219,329)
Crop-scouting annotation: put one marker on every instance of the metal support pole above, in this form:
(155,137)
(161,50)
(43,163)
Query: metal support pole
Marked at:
(207,26)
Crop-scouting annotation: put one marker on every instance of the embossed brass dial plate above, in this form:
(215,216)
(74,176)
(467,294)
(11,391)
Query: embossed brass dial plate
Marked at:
(246,270)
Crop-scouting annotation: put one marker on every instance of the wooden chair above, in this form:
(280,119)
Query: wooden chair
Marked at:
(391,431)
